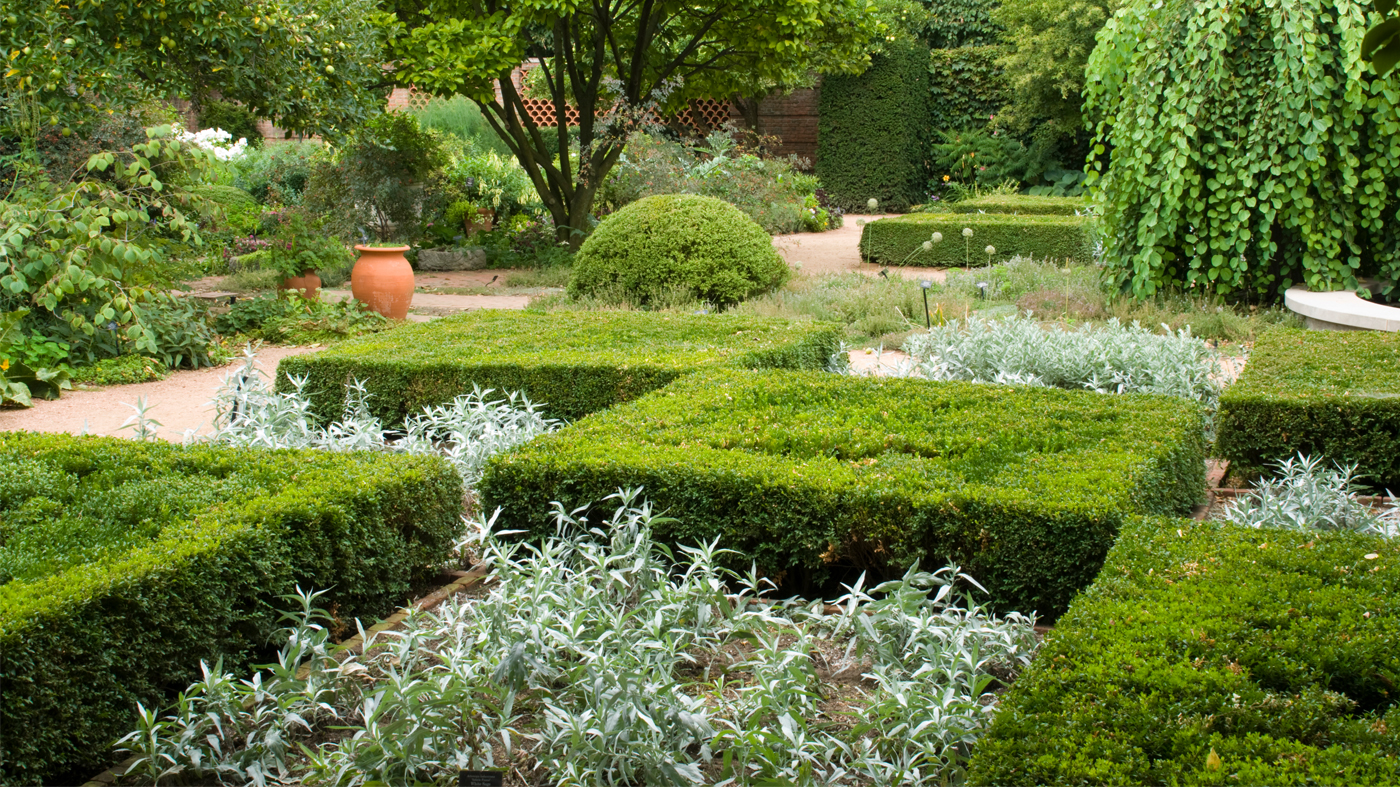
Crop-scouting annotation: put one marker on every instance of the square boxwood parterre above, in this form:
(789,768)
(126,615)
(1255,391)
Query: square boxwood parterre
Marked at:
(807,473)
(1330,393)
(1274,649)
(1061,238)
(126,564)
(575,363)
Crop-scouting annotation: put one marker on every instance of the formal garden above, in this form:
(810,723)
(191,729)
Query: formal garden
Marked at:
(617,443)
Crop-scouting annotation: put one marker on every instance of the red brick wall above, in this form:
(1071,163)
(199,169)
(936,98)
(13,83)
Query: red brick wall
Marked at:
(793,118)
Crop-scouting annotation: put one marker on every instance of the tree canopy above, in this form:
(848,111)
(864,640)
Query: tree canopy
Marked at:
(619,62)
(306,64)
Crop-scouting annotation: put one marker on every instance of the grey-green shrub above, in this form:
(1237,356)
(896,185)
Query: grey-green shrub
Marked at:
(658,243)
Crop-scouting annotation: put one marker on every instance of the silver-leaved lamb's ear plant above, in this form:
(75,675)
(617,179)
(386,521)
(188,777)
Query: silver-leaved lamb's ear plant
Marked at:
(601,656)
(467,432)
(1108,359)
(1306,495)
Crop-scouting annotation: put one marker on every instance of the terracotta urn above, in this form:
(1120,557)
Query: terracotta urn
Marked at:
(308,283)
(383,280)
(481,222)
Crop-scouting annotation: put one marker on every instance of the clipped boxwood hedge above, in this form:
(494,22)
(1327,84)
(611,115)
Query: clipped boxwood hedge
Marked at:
(808,472)
(1275,649)
(667,241)
(1024,204)
(123,583)
(1060,238)
(1334,394)
(574,362)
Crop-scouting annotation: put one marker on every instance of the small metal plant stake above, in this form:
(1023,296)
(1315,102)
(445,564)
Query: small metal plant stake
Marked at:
(928,320)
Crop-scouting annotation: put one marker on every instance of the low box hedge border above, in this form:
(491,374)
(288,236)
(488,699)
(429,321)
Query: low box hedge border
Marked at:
(807,473)
(81,647)
(1273,649)
(1330,393)
(1024,204)
(575,363)
(891,241)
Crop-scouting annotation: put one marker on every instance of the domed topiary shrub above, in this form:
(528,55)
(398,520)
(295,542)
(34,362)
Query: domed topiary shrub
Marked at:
(662,243)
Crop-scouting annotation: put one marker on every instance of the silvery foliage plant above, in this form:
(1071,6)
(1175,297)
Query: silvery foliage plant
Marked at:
(1110,359)
(467,432)
(1306,495)
(599,656)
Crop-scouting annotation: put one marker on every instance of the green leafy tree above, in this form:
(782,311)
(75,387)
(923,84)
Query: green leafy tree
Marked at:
(1046,46)
(620,65)
(306,64)
(1248,152)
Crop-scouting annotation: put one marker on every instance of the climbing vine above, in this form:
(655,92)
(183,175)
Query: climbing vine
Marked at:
(1242,147)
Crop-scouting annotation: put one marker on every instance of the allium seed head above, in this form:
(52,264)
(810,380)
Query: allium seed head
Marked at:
(967,232)
(991,250)
(937,237)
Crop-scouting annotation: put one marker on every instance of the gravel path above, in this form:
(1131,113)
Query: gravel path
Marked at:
(178,402)
(838,251)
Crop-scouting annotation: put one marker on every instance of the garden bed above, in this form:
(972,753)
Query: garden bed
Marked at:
(128,563)
(817,476)
(575,363)
(1213,654)
(899,240)
(1324,393)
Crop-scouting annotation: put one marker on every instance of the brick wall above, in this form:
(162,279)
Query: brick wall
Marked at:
(793,118)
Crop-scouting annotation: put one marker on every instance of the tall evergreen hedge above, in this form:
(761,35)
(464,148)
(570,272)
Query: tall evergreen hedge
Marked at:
(870,141)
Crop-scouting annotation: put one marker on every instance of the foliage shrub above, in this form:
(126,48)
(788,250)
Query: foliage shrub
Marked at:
(966,87)
(134,561)
(466,432)
(1329,395)
(1306,495)
(1250,152)
(615,696)
(899,240)
(121,370)
(234,119)
(388,175)
(182,332)
(81,254)
(815,475)
(1213,654)
(943,24)
(228,208)
(288,318)
(1108,359)
(770,190)
(574,363)
(699,243)
(277,174)
(870,137)
(869,307)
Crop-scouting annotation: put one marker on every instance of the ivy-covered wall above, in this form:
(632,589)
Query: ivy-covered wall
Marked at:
(870,142)
(965,86)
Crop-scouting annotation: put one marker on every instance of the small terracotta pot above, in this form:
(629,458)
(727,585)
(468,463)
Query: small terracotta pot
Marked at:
(308,283)
(482,223)
(383,280)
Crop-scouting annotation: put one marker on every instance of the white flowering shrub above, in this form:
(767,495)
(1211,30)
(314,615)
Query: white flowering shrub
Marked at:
(467,432)
(216,141)
(1305,495)
(600,657)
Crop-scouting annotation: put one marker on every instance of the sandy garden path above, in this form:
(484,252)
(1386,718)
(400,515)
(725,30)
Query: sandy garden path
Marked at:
(178,402)
(838,251)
